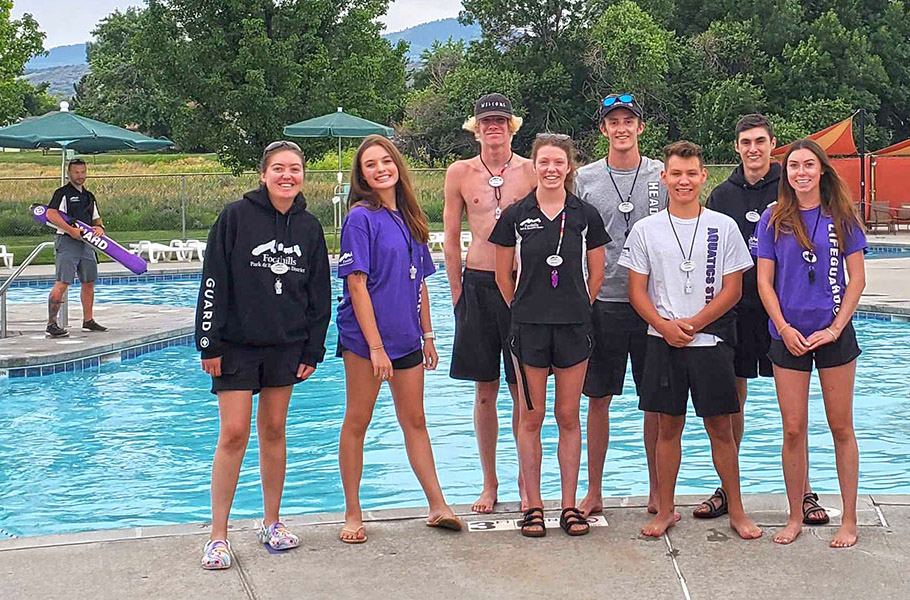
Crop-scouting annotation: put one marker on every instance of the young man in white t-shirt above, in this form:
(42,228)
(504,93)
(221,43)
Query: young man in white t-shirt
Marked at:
(685,274)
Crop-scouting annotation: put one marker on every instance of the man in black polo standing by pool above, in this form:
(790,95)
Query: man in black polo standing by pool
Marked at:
(73,256)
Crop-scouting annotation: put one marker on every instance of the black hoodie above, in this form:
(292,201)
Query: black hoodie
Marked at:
(265,281)
(735,197)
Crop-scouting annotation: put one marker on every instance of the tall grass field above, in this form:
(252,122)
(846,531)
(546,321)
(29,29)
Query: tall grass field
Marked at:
(142,196)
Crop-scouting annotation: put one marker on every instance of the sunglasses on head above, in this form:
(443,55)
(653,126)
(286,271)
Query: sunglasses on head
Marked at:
(553,136)
(621,98)
(282,144)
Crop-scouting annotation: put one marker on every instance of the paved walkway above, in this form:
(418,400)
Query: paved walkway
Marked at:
(404,560)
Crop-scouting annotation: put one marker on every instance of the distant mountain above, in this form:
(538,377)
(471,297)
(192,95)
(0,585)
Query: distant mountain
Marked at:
(59,56)
(61,79)
(422,36)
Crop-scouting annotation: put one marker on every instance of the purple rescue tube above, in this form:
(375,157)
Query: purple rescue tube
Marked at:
(100,242)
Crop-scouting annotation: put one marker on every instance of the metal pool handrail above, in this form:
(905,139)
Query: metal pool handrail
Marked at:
(12,278)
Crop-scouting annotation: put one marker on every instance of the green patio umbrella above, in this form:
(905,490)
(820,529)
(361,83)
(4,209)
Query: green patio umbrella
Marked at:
(68,131)
(337,124)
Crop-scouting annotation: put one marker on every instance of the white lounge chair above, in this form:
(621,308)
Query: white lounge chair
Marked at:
(437,239)
(465,240)
(156,252)
(6,257)
(195,246)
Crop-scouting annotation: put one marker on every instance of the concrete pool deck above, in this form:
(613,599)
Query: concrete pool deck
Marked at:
(402,559)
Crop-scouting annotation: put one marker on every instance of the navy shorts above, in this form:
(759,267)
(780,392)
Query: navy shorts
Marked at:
(753,340)
(408,361)
(672,373)
(835,354)
(482,328)
(255,367)
(619,334)
(545,345)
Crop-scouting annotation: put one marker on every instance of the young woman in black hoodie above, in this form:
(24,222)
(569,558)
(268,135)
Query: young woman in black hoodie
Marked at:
(261,322)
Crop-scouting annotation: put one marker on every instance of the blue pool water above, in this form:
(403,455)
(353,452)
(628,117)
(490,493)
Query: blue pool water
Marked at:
(131,444)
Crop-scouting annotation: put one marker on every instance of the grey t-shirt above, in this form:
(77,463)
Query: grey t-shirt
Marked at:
(593,185)
(718,249)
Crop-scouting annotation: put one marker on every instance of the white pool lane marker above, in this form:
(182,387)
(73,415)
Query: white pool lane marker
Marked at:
(512,524)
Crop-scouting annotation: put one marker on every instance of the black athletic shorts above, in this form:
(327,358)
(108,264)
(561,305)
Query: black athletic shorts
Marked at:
(255,367)
(548,345)
(408,361)
(619,334)
(482,326)
(671,373)
(830,355)
(752,343)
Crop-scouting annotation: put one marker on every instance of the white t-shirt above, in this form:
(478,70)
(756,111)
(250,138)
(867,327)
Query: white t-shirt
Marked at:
(652,249)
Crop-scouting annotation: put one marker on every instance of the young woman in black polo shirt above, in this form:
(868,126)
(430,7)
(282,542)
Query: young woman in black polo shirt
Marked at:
(551,235)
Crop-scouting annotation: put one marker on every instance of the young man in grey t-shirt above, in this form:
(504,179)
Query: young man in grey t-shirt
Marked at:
(685,275)
(624,187)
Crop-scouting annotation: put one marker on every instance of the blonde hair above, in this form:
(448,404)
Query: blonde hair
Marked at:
(473,125)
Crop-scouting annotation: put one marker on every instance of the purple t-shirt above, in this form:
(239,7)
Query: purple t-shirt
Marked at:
(809,306)
(377,243)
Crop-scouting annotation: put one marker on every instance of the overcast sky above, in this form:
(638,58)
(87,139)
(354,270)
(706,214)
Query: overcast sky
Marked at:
(71,21)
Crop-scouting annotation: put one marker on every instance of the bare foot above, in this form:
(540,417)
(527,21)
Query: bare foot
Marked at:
(845,536)
(592,503)
(484,504)
(652,502)
(659,524)
(788,534)
(744,526)
(653,510)
(353,531)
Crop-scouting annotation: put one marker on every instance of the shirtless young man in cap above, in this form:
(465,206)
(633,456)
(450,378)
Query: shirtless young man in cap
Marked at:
(482,187)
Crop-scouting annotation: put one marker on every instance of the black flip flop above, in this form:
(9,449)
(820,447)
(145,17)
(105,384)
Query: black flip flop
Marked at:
(533,517)
(571,517)
(814,507)
(715,511)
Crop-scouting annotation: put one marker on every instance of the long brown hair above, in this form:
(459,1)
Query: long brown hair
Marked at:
(564,143)
(361,193)
(835,200)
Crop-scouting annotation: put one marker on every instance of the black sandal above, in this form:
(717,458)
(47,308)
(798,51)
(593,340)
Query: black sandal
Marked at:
(572,517)
(814,507)
(533,517)
(714,511)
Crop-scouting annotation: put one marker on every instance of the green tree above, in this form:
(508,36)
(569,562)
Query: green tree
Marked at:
(20,40)
(229,76)
(118,90)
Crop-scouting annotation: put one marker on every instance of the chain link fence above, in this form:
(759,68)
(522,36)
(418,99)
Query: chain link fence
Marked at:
(181,201)
(192,201)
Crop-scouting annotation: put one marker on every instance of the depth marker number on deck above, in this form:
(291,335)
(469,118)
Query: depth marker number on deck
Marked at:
(512,524)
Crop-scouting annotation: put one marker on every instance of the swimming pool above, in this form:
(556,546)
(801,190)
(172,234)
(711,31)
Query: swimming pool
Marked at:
(131,444)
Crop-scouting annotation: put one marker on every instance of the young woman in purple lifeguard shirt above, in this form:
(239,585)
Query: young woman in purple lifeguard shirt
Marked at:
(805,243)
(382,320)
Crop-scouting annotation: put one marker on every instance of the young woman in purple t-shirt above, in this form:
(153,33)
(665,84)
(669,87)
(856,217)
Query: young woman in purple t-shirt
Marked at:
(805,243)
(383,317)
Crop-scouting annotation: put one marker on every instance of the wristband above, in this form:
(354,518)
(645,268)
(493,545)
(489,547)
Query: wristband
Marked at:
(379,347)
(784,328)
(429,335)
(828,329)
